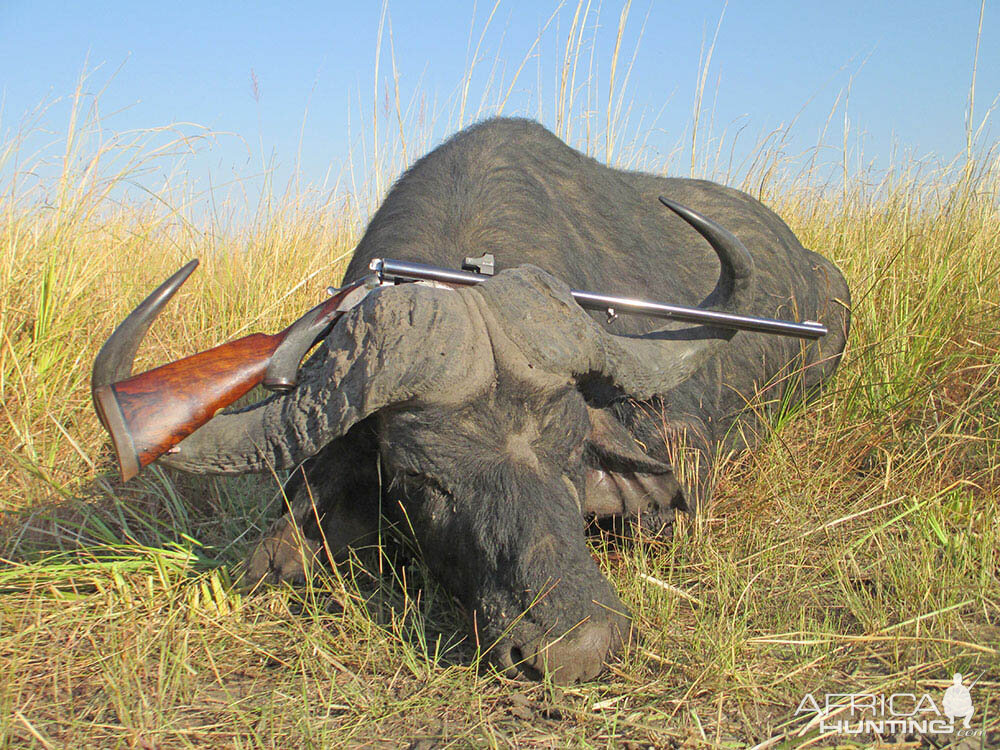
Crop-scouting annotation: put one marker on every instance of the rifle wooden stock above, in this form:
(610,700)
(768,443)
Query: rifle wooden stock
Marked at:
(150,413)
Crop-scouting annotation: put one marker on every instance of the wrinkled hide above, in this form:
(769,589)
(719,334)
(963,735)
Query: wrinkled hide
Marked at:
(503,416)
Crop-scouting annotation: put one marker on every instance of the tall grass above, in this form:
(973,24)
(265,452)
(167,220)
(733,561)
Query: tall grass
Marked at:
(855,551)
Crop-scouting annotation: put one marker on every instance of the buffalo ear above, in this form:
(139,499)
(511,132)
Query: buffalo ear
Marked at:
(612,448)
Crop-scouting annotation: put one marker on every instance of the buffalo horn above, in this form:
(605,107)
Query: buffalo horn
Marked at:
(114,361)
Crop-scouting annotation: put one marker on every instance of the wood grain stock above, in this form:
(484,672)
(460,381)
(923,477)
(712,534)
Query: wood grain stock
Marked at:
(150,413)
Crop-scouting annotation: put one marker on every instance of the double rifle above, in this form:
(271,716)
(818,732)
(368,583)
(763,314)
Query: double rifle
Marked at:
(150,413)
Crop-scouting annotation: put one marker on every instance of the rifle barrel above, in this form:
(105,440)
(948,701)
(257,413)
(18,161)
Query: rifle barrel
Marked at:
(402,270)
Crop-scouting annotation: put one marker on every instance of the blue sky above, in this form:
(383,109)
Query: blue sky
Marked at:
(908,66)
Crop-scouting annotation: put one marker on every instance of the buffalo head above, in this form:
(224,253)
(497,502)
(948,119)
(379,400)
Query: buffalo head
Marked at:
(481,403)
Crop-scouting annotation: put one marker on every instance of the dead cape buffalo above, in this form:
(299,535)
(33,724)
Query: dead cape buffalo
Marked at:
(502,417)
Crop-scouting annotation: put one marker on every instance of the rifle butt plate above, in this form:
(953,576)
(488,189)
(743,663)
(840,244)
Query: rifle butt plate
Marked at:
(110,412)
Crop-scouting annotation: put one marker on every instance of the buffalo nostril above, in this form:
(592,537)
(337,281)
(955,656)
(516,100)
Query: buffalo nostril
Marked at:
(577,655)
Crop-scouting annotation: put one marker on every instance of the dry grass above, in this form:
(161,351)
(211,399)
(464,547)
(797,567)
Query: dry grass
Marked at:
(856,551)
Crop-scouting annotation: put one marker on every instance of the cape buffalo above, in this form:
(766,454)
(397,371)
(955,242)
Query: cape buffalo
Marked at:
(501,417)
